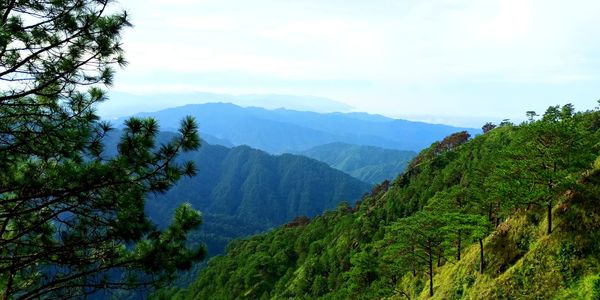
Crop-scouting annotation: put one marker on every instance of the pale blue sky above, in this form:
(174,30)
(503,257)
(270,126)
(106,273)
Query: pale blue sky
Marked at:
(452,61)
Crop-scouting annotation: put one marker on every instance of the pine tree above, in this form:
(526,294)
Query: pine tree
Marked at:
(420,237)
(72,219)
(541,160)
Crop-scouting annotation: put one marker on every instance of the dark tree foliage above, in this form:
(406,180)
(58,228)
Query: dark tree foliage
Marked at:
(298,221)
(449,143)
(452,141)
(71,219)
(50,48)
(487,127)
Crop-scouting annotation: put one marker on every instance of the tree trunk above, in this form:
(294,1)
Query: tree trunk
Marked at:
(496,214)
(439,258)
(430,272)
(458,245)
(549,217)
(481,262)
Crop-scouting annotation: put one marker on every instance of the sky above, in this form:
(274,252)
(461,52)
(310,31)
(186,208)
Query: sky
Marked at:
(459,62)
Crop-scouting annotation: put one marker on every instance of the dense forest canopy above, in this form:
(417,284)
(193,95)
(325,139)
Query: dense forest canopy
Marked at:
(367,163)
(243,191)
(512,213)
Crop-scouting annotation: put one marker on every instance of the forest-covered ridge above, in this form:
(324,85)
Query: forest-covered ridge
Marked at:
(368,163)
(256,189)
(509,214)
(242,191)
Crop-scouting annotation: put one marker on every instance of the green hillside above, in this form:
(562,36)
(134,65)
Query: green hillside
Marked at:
(473,215)
(367,163)
(242,191)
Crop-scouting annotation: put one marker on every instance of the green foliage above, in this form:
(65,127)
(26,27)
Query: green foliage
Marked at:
(567,255)
(367,163)
(50,48)
(481,196)
(256,186)
(72,221)
(596,289)
(243,191)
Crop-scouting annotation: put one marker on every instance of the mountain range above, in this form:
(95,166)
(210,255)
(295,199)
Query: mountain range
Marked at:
(123,102)
(289,131)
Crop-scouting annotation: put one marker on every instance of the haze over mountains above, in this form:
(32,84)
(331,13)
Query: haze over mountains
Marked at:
(289,131)
(123,104)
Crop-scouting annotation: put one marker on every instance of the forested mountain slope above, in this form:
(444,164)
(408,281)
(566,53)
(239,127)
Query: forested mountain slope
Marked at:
(469,219)
(281,130)
(250,183)
(241,191)
(367,163)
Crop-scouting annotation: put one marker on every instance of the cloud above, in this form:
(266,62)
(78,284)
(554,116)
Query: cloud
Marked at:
(434,51)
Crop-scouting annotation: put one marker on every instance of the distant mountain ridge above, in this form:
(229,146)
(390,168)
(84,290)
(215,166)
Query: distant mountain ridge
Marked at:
(123,102)
(368,163)
(282,130)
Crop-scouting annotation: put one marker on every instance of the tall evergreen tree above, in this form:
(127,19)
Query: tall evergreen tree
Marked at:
(542,159)
(420,237)
(72,219)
